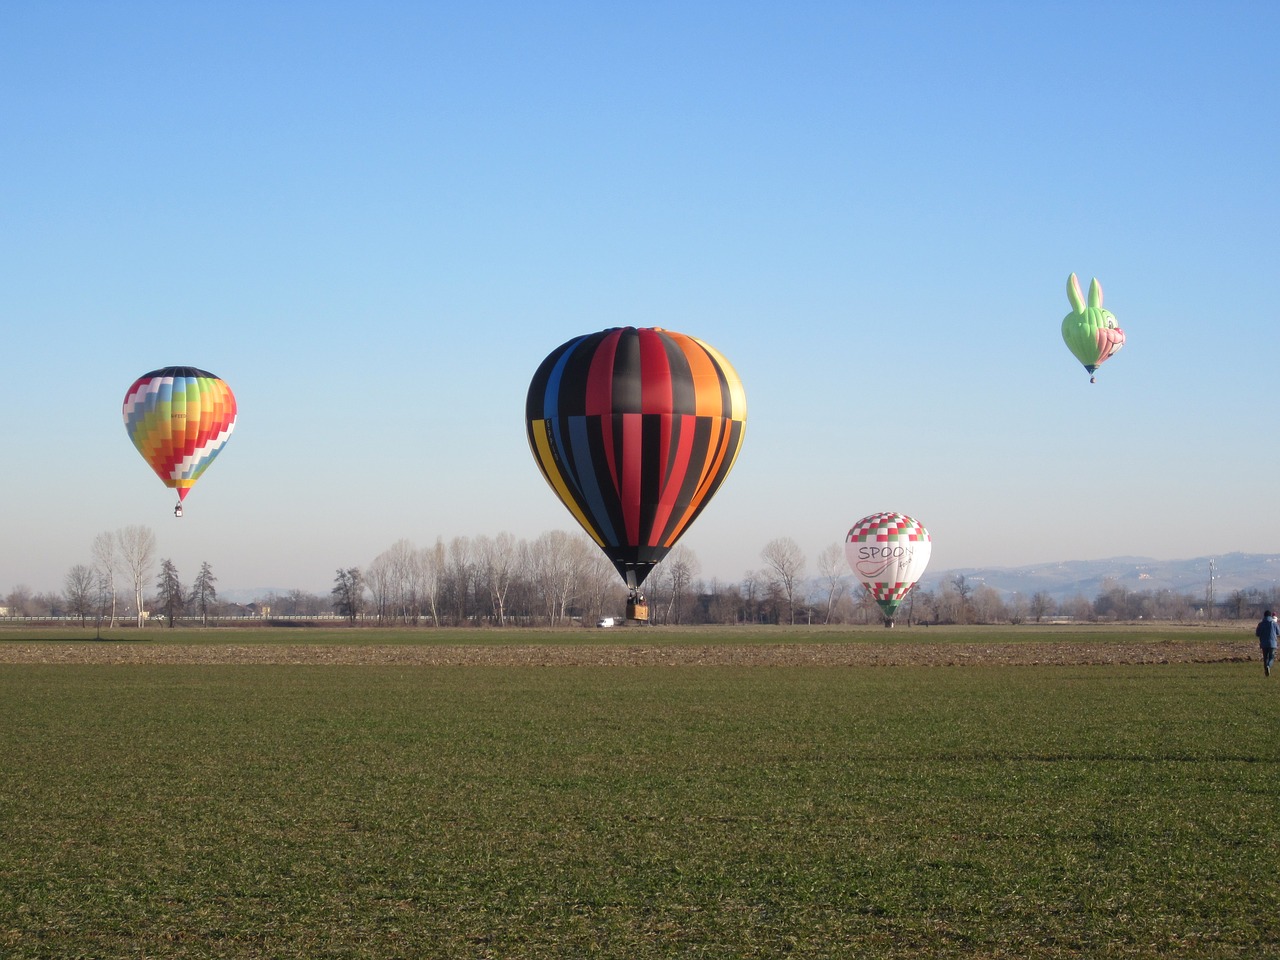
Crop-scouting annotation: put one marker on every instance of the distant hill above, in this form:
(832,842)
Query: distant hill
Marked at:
(1067,578)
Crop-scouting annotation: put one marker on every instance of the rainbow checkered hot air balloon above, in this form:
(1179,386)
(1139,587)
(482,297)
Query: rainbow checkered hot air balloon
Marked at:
(179,418)
(635,430)
(888,553)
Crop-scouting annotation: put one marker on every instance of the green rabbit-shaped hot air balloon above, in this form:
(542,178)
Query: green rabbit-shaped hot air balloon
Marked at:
(1090,332)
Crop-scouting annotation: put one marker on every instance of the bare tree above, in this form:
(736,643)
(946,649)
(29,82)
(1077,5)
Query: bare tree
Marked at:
(497,564)
(785,563)
(46,605)
(137,550)
(677,569)
(987,605)
(964,591)
(404,581)
(753,584)
(657,588)
(79,591)
(725,604)
(1041,605)
(948,605)
(583,552)
(395,583)
(348,593)
(431,563)
(378,578)
(927,601)
(833,567)
(106,599)
(106,559)
(1017,607)
(1077,607)
(296,603)
(557,559)
(415,584)
(459,575)
(19,601)
(868,610)
(203,592)
(599,589)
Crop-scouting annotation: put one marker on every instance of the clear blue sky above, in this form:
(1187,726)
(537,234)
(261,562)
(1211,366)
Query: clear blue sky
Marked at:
(374,219)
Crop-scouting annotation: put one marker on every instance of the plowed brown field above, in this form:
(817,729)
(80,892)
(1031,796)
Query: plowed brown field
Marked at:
(634,655)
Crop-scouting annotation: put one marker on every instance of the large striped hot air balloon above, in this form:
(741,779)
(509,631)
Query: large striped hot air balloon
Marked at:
(888,553)
(635,430)
(179,418)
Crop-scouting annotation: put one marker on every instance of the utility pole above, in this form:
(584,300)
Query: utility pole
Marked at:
(1208,594)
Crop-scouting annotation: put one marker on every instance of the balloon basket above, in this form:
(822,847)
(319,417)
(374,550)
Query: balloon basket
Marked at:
(638,610)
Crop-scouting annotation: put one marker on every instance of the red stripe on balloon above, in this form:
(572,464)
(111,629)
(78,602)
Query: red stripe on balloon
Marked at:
(655,373)
(666,426)
(599,386)
(680,464)
(630,479)
(609,448)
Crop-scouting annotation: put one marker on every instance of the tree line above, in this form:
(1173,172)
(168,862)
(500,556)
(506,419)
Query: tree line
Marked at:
(560,578)
(115,584)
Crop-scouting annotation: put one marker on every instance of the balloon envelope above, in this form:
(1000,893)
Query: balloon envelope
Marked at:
(888,552)
(179,418)
(635,430)
(1090,332)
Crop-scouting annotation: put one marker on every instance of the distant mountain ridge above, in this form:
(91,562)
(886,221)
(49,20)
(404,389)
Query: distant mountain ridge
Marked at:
(1089,578)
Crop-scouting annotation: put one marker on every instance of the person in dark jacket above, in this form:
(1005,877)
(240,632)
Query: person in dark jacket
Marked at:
(1267,631)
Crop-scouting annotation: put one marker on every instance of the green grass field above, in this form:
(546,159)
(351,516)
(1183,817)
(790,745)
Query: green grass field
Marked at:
(376,812)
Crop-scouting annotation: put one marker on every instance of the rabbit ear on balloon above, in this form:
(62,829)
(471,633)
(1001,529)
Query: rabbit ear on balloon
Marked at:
(888,553)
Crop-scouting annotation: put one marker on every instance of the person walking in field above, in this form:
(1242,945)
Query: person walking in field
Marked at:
(1267,631)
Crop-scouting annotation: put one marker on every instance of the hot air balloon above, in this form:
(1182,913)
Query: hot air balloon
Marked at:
(1090,333)
(179,418)
(635,430)
(888,553)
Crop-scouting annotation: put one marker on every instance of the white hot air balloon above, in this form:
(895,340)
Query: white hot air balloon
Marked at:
(888,553)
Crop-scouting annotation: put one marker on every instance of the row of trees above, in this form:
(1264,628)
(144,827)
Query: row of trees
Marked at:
(560,577)
(552,579)
(172,600)
(122,559)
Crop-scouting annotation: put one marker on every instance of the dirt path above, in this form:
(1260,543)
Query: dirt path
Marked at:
(636,655)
